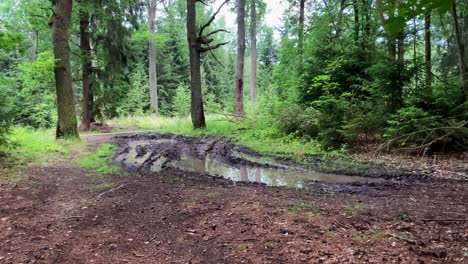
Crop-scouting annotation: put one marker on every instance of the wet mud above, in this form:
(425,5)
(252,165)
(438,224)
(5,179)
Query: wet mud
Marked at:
(217,157)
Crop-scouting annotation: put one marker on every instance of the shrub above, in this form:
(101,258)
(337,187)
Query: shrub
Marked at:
(182,101)
(415,130)
(35,101)
(295,120)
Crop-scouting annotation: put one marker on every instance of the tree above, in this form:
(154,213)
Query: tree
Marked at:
(152,4)
(461,54)
(428,48)
(198,43)
(253,52)
(86,68)
(239,110)
(60,21)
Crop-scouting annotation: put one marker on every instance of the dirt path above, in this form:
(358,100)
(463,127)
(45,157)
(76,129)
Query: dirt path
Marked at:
(64,214)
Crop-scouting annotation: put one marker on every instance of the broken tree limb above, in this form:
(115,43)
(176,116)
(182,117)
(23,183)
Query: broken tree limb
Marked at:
(207,24)
(208,48)
(111,190)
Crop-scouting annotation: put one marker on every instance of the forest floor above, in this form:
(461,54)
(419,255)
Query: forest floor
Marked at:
(62,213)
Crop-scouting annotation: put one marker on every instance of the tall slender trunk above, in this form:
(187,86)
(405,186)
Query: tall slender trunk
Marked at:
(398,100)
(153,82)
(367,23)
(85,70)
(35,44)
(339,22)
(67,125)
(356,21)
(253,53)
(301,33)
(428,48)
(391,43)
(198,116)
(240,58)
(461,54)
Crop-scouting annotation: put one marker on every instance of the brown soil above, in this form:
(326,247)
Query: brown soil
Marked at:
(64,214)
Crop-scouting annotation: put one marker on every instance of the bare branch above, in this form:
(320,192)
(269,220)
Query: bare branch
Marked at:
(205,49)
(203,2)
(207,24)
(216,31)
(214,56)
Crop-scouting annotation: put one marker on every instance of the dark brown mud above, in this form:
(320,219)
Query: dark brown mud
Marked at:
(217,157)
(60,213)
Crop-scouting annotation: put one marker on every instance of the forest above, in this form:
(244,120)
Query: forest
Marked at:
(353,110)
(343,73)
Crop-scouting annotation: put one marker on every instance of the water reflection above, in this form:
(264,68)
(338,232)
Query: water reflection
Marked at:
(291,177)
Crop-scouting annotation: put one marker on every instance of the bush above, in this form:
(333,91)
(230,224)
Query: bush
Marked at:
(295,120)
(137,98)
(35,101)
(182,101)
(415,130)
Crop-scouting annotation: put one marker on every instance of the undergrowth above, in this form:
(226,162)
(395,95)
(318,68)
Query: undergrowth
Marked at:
(27,145)
(101,160)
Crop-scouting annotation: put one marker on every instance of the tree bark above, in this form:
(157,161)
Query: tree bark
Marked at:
(356,21)
(461,55)
(35,44)
(301,33)
(67,125)
(153,82)
(240,58)
(339,22)
(253,53)
(428,49)
(198,116)
(367,23)
(86,71)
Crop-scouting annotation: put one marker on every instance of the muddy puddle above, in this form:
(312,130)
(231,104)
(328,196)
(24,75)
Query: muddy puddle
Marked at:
(218,157)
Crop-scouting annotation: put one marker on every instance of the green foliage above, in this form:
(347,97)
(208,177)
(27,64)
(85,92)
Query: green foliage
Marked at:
(137,98)
(35,105)
(295,120)
(304,207)
(416,130)
(35,145)
(182,101)
(101,161)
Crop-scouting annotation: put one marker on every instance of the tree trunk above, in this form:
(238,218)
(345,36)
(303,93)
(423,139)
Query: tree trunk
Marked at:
(67,125)
(240,58)
(301,33)
(389,36)
(86,70)
(356,21)
(253,53)
(35,44)
(461,54)
(339,22)
(198,116)
(367,23)
(153,82)
(427,48)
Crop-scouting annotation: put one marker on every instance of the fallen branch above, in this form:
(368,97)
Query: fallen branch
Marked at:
(402,238)
(111,190)
(424,146)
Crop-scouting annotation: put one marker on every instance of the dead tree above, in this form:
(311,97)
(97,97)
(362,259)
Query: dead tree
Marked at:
(199,42)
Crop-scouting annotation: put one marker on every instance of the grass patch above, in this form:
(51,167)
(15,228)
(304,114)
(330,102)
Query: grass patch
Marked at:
(101,161)
(34,146)
(101,186)
(304,207)
(353,210)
